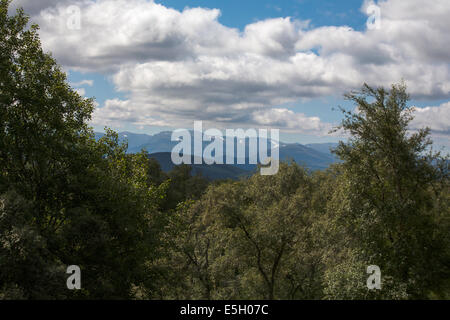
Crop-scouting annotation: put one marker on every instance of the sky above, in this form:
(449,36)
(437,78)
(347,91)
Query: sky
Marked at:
(163,64)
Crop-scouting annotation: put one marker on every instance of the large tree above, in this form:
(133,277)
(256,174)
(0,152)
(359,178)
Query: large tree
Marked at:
(388,202)
(64,198)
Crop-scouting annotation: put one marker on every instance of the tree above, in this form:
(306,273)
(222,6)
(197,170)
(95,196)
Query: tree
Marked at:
(65,198)
(249,239)
(385,205)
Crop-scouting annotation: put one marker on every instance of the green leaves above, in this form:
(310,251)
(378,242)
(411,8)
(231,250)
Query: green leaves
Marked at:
(246,240)
(388,216)
(84,202)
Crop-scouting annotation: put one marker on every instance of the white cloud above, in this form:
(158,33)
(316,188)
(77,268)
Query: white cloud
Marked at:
(437,118)
(291,121)
(89,83)
(81,91)
(181,66)
(33,7)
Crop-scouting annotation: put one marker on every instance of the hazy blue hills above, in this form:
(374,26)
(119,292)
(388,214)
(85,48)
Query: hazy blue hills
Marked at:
(159,142)
(314,156)
(306,156)
(211,172)
(323,147)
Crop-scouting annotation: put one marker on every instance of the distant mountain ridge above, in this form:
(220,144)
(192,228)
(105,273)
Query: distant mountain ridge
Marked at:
(211,172)
(323,147)
(315,156)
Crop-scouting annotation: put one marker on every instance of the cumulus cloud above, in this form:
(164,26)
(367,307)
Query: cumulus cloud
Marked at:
(89,83)
(291,121)
(33,7)
(177,66)
(437,118)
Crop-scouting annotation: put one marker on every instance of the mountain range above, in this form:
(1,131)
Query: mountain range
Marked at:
(315,156)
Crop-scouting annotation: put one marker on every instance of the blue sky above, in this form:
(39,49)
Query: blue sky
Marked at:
(237,14)
(160,65)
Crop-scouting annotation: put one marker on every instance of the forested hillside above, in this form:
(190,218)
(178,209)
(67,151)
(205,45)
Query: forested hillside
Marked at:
(138,232)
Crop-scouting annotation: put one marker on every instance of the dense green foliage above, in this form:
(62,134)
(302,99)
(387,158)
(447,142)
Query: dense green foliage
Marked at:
(65,199)
(139,233)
